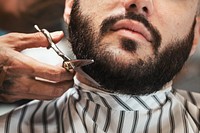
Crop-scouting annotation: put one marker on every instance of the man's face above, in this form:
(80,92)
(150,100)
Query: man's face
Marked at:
(138,46)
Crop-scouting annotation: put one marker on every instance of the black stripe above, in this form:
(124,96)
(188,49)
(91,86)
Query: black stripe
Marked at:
(62,115)
(193,100)
(171,117)
(7,124)
(62,122)
(23,112)
(194,119)
(32,122)
(120,102)
(157,100)
(159,124)
(96,113)
(44,120)
(198,119)
(141,102)
(103,101)
(57,117)
(184,119)
(89,96)
(85,109)
(121,122)
(159,121)
(135,121)
(70,118)
(95,128)
(108,120)
(108,114)
(149,114)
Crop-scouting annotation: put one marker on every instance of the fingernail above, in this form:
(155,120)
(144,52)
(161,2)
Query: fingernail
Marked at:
(56,34)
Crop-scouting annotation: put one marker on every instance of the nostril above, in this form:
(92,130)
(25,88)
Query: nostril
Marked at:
(133,6)
(145,9)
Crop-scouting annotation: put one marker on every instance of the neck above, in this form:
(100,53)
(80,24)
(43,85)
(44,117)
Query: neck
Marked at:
(85,81)
(94,87)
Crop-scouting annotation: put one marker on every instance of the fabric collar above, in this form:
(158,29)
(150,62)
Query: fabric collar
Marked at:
(128,102)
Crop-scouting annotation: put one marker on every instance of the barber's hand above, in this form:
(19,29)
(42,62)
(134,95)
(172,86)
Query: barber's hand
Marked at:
(21,70)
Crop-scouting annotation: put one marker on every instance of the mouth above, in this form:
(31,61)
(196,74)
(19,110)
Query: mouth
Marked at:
(132,29)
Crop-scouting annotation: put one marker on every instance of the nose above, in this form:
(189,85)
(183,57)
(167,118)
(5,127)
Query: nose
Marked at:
(144,7)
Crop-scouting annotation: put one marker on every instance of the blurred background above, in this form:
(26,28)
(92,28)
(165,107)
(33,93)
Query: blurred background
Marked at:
(22,15)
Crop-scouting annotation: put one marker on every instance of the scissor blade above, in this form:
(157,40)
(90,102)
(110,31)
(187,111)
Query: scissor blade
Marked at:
(81,72)
(80,62)
(77,64)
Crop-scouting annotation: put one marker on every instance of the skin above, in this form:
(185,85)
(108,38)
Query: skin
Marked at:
(21,71)
(172,24)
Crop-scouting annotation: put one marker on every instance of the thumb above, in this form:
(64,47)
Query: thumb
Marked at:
(57,36)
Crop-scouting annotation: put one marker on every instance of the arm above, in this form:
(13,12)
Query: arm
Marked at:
(21,70)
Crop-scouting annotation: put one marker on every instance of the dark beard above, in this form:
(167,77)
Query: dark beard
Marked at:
(137,78)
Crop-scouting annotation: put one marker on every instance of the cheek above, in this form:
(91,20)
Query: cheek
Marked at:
(92,14)
(173,23)
(176,28)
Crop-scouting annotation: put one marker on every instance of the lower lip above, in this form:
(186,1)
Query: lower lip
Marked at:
(130,34)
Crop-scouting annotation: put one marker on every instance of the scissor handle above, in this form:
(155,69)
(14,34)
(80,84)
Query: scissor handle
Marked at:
(51,43)
(71,64)
(67,65)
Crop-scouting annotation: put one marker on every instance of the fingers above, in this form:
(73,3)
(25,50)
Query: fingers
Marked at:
(21,70)
(27,88)
(19,64)
(21,41)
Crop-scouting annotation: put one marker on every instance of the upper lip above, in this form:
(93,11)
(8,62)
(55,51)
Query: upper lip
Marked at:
(133,26)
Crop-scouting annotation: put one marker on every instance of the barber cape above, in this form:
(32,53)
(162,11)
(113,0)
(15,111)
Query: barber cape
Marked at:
(83,109)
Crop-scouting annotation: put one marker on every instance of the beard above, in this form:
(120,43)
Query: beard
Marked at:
(137,77)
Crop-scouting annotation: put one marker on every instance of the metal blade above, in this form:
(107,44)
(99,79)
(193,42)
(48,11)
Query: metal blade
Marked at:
(80,71)
(80,62)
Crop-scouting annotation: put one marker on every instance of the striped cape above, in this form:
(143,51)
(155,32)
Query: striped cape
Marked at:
(81,110)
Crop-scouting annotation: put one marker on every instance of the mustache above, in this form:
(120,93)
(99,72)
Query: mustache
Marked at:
(109,22)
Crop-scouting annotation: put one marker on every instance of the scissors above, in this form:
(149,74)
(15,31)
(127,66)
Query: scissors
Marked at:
(68,63)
